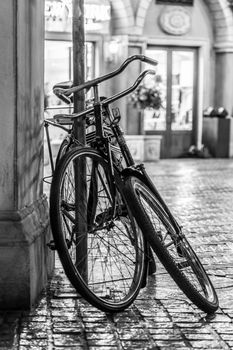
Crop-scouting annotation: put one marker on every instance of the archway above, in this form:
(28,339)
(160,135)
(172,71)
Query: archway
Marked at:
(122,16)
(219,10)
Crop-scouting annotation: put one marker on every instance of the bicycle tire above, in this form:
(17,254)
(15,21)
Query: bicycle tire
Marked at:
(64,147)
(170,245)
(115,244)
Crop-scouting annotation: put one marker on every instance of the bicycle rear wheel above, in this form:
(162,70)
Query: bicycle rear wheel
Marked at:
(64,147)
(170,245)
(100,244)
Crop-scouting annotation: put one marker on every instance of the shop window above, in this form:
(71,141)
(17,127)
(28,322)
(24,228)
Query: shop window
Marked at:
(175,82)
(59,66)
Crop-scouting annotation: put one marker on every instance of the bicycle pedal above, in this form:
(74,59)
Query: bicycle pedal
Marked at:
(52,245)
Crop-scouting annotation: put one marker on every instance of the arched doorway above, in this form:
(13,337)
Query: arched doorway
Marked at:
(211,42)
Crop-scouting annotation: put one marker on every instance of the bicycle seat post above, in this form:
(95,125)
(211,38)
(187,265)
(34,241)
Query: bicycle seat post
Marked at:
(98,113)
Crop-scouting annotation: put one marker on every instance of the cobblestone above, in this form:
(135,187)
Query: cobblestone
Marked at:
(200,193)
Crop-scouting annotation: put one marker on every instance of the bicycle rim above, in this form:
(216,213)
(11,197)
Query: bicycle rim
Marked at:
(172,247)
(104,255)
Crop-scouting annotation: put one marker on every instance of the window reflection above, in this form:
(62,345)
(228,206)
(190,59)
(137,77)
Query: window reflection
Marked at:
(182,90)
(59,66)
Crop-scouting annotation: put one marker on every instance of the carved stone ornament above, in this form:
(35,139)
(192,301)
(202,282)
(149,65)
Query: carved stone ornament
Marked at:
(175,20)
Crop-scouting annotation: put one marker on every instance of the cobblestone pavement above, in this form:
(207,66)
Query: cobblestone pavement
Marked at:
(201,195)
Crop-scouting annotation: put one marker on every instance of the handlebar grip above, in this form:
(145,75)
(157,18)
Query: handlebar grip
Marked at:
(61,96)
(149,60)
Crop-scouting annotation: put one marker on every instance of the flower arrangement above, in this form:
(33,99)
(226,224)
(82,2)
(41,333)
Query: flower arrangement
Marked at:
(144,97)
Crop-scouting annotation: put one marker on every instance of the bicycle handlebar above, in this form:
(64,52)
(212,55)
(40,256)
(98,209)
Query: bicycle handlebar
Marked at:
(111,99)
(64,93)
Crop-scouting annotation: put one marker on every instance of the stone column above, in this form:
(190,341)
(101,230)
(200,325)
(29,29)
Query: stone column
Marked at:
(24,226)
(224,76)
(223,98)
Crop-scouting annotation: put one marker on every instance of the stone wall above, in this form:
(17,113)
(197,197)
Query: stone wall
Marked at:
(25,260)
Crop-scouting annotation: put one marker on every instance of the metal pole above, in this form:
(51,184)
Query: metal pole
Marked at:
(78,64)
(80,134)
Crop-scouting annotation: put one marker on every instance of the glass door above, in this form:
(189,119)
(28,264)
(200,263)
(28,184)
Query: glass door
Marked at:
(175,119)
(155,119)
(182,90)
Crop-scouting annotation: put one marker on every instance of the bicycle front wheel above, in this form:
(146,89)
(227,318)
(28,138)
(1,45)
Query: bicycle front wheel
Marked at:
(170,245)
(99,243)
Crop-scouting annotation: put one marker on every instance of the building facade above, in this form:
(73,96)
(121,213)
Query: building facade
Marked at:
(193,43)
(194,46)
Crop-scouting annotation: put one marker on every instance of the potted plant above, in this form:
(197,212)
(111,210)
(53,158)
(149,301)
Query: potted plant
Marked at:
(147,100)
(146,97)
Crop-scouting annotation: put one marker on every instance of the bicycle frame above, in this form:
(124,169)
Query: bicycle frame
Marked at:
(101,141)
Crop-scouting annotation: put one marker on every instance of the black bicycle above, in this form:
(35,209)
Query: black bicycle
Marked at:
(106,214)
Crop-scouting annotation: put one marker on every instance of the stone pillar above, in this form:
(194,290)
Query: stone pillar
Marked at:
(24,226)
(224,76)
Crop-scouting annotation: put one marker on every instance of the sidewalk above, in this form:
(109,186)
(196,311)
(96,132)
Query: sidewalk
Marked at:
(200,193)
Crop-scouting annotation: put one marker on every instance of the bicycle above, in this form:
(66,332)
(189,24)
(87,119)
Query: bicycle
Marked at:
(104,245)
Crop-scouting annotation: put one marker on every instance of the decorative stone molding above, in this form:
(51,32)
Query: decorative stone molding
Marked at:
(175,20)
(226,47)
